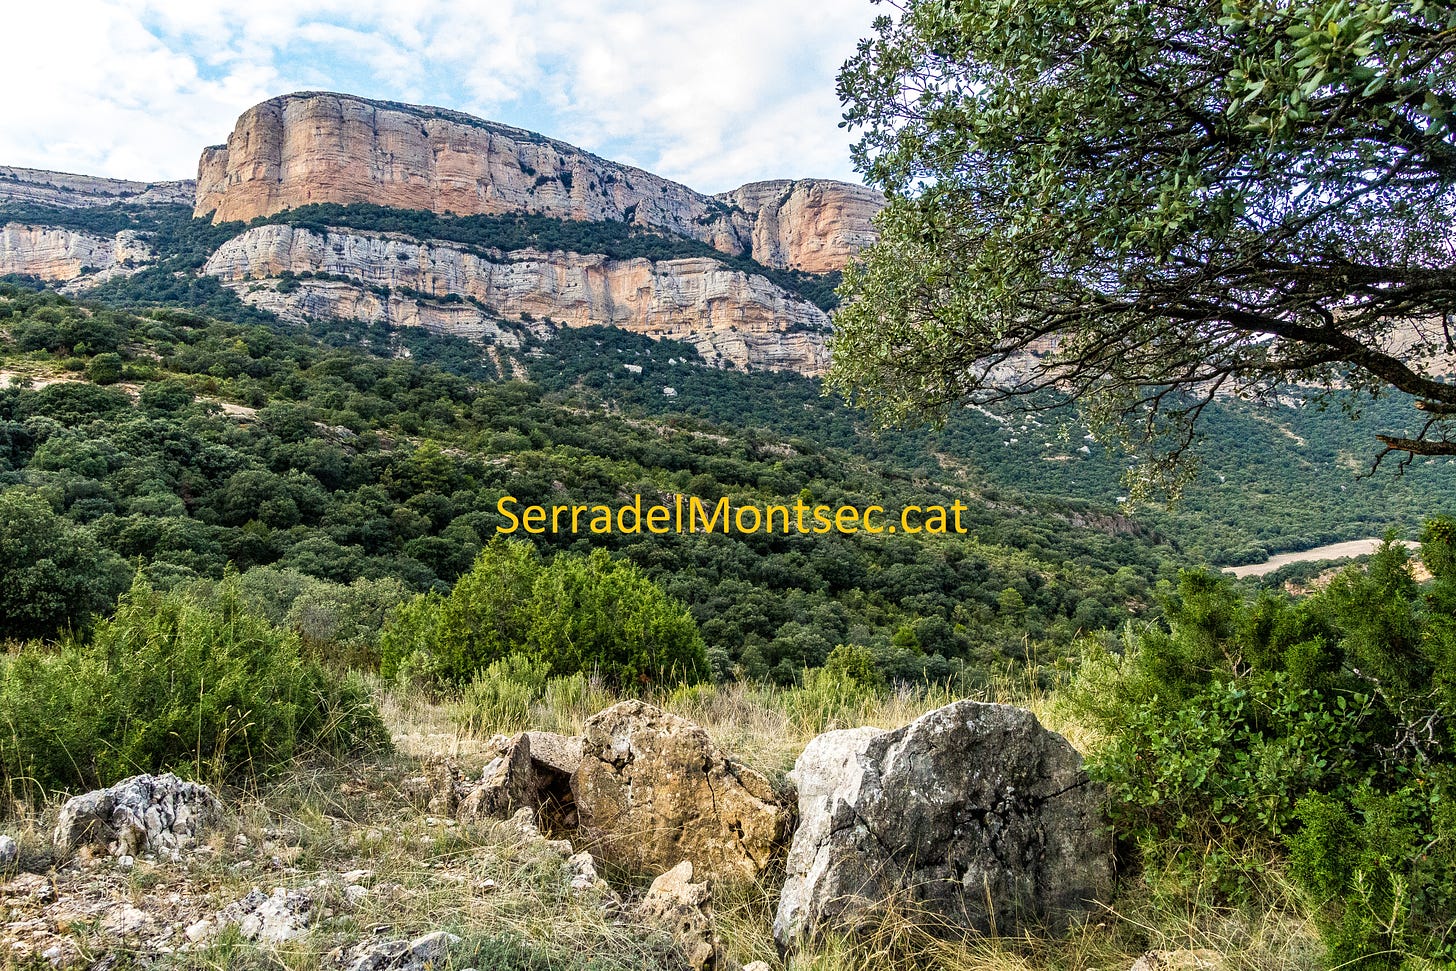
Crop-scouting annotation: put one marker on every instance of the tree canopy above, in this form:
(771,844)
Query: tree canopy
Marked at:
(1144,205)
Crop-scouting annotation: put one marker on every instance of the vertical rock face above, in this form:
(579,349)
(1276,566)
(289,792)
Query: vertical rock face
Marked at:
(974,816)
(812,225)
(56,254)
(316,147)
(652,790)
(729,315)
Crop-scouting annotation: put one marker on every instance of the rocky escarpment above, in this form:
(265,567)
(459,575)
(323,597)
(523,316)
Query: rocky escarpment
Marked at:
(732,317)
(315,147)
(813,225)
(59,255)
(79,191)
(320,147)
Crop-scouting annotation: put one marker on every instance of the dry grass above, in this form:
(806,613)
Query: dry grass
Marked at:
(510,902)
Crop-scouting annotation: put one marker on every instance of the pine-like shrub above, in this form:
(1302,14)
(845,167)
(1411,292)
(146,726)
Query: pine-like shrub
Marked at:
(174,681)
(1320,730)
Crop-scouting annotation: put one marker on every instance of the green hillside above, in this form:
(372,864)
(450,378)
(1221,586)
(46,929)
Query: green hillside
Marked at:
(190,446)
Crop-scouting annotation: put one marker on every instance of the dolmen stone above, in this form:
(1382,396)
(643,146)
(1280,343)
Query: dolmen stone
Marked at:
(143,814)
(972,819)
(652,790)
(532,770)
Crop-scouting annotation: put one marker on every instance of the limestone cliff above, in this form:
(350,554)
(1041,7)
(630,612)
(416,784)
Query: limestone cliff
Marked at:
(732,317)
(813,225)
(60,255)
(319,147)
(315,147)
(79,191)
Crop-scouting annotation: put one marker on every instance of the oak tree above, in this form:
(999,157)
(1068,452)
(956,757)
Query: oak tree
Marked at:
(1143,205)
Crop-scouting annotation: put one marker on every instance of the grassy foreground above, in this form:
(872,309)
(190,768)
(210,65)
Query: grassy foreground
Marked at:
(328,818)
(328,823)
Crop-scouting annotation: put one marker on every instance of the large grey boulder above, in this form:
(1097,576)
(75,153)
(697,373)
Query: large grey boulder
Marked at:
(973,817)
(653,790)
(143,814)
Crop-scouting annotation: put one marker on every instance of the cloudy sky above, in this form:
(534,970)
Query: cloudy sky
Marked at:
(708,92)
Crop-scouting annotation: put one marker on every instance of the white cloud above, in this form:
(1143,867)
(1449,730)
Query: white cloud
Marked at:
(709,93)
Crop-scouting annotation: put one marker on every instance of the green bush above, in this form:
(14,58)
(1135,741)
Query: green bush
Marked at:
(574,614)
(105,368)
(174,681)
(53,575)
(1319,729)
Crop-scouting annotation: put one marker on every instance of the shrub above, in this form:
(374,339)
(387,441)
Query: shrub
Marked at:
(174,681)
(53,575)
(1319,729)
(105,368)
(575,614)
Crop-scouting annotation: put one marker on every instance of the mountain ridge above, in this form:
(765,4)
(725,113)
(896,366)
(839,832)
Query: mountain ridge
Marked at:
(321,147)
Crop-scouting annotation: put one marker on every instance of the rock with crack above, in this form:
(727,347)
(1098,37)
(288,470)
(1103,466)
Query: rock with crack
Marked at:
(144,814)
(652,790)
(270,919)
(9,852)
(972,818)
(532,770)
(428,951)
(684,911)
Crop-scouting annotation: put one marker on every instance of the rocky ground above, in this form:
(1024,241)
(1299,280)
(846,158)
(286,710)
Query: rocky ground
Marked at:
(635,842)
(334,867)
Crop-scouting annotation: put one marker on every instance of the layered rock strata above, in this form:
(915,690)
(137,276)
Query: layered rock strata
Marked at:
(731,317)
(318,147)
(81,191)
(813,225)
(58,255)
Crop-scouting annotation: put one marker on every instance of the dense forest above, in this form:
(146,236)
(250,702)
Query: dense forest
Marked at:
(188,446)
(1312,484)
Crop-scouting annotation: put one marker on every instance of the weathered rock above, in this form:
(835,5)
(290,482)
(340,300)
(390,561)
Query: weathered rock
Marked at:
(9,852)
(533,770)
(126,920)
(1200,959)
(550,752)
(684,910)
(69,191)
(813,225)
(442,781)
(427,951)
(732,317)
(973,815)
(521,828)
(282,916)
(652,790)
(143,814)
(581,873)
(56,254)
(506,785)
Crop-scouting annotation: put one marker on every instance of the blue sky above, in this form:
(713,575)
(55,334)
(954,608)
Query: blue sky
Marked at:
(711,93)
